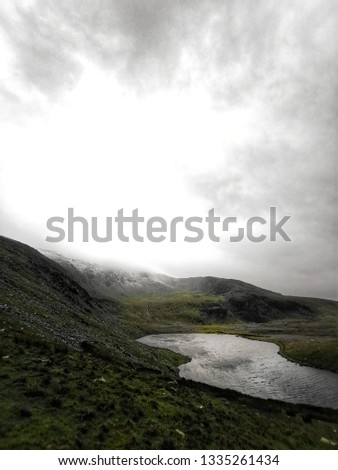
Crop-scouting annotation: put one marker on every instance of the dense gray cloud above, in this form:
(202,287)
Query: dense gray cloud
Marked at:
(138,40)
(230,45)
(276,60)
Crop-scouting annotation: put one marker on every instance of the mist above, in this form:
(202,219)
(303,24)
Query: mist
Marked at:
(175,107)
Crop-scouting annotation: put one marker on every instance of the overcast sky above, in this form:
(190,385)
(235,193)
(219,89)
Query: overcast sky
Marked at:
(175,107)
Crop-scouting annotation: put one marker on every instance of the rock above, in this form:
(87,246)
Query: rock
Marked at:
(181,433)
(327,441)
(101,379)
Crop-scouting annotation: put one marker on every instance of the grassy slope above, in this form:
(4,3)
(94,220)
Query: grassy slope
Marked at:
(72,375)
(71,400)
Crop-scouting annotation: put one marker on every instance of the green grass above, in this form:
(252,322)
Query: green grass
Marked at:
(54,397)
(58,400)
(180,307)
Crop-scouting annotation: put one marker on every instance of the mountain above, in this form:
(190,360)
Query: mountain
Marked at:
(42,302)
(37,291)
(73,377)
(235,299)
(112,283)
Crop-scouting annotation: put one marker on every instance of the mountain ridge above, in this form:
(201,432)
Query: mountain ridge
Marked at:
(140,281)
(238,299)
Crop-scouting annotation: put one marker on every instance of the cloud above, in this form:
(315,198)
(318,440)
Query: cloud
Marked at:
(50,39)
(231,103)
(238,50)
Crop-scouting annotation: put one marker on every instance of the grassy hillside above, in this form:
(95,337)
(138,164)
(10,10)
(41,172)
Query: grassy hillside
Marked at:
(73,377)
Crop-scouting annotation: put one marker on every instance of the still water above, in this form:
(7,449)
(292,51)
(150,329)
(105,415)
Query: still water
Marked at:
(251,367)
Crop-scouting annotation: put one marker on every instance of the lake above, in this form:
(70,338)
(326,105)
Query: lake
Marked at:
(251,367)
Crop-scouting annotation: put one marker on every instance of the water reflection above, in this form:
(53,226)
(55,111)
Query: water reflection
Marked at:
(248,366)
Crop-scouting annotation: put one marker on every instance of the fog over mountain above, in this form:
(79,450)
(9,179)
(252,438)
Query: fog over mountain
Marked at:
(175,107)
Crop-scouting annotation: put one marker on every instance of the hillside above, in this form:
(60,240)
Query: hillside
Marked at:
(39,299)
(73,376)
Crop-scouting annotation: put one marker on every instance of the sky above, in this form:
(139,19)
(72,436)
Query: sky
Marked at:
(175,107)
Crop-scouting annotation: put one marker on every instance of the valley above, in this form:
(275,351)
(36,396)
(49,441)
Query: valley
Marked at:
(74,377)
